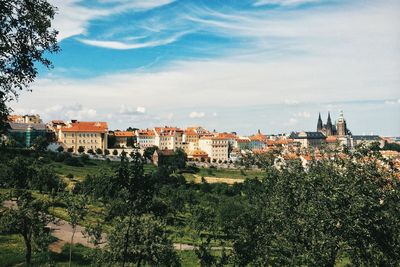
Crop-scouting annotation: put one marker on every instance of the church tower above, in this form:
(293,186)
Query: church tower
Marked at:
(329,126)
(320,126)
(341,126)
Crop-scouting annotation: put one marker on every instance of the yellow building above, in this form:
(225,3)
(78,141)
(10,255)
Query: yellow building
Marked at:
(216,147)
(89,135)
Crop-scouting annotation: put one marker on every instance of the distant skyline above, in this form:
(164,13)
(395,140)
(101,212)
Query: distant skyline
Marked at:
(226,65)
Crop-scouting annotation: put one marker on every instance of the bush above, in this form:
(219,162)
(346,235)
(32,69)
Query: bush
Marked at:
(81,149)
(60,157)
(84,158)
(70,176)
(60,149)
(70,150)
(90,151)
(106,152)
(73,161)
(115,152)
(99,151)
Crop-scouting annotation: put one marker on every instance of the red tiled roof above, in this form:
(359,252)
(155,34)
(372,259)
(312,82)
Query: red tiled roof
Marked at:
(86,126)
(227,135)
(124,134)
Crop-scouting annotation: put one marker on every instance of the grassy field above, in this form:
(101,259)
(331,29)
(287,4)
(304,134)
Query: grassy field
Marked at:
(98,166)
(12,253)
(92,167)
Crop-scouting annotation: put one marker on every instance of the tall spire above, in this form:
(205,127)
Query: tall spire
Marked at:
(329,121)
(319,124)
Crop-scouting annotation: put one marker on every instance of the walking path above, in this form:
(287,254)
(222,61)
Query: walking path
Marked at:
(62,230)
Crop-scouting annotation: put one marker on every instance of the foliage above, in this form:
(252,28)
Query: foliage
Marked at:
(99,151)
(28,219)
(312,216)
(111,140)
(148,242)
(40,144)
(391,146)
(149,151)
(81,149)
(60,149)
(77,210)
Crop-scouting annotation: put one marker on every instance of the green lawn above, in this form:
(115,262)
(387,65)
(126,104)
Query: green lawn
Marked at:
(92,167)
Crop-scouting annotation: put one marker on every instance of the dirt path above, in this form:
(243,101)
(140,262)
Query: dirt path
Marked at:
(62,230)
(213,180)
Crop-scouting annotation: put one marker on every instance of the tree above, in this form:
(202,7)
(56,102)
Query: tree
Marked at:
(148,242)
(46,180)
(40,144)
(149,151)
(111,140)
(4,111)
(314,216)
(70,150)
(180,159)
(99,151)
(81,149)
(115,152)
(28,218)
(106,152)
(60,149)
(26,37)
(77,210)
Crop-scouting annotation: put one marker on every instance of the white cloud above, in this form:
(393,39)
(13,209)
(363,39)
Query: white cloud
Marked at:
(124,46)
(195,114)
(392,102)
(303,114)
(291,102)
(67,112)
(72,18)
(127,110)
(284,2)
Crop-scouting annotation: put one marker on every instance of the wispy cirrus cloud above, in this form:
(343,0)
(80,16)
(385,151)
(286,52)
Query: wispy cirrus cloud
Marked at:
(133,45)
(73,17)
(284,2)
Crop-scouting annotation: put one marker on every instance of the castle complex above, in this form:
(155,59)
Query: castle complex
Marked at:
(330,129)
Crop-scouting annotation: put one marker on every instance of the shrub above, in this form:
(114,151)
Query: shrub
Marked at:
(81,149)
(60,149)
(70,150)
(115,152)
(70,176)
(99,151)
(73,161)
(85,158)
(106,152)
(90,151)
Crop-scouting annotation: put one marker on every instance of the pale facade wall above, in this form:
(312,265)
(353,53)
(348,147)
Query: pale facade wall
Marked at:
(89,140)
(215,148)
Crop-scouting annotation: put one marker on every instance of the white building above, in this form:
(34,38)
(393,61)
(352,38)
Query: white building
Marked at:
(215,147)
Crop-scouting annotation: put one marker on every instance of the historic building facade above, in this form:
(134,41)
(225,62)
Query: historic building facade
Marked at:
(329,129)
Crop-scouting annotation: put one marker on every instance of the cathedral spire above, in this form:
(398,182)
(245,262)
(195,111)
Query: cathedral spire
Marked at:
(319,124)
(329,121)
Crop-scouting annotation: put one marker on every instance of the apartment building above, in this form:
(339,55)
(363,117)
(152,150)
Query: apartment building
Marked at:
(124,139)
(145,138)
(89,135)
(215,147)
(30,119)
(168,137)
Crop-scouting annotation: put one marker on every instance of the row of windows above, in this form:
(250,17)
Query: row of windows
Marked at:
(81,135)
(82,141)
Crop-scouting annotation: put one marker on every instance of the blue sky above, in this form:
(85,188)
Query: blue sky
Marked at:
(229,65)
